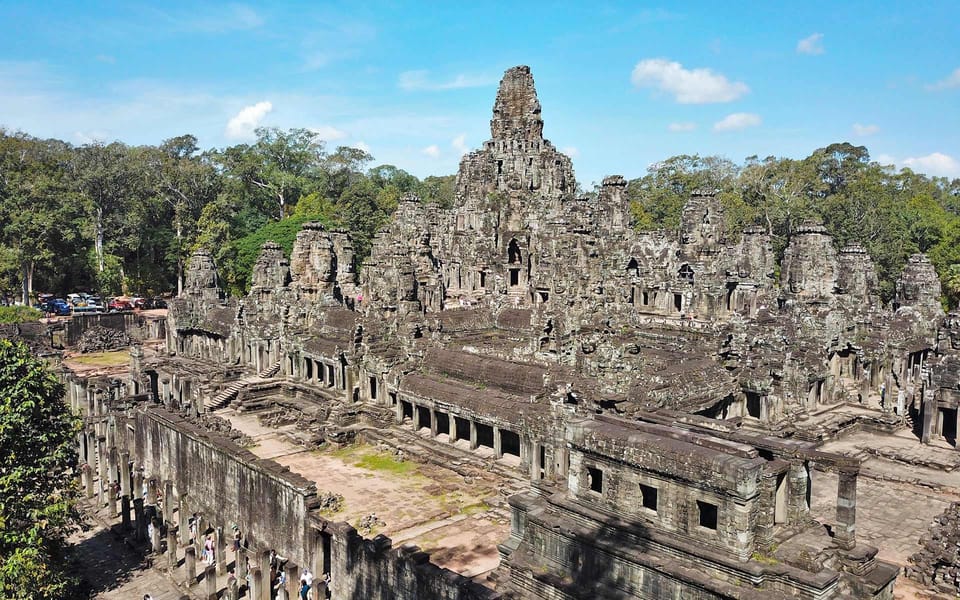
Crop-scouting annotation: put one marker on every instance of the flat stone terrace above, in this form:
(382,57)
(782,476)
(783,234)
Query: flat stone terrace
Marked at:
(459,520)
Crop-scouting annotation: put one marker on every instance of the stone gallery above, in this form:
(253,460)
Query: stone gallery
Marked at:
(663,414)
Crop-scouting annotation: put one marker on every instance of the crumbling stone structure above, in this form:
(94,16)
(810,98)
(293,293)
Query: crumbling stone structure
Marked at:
(661,393)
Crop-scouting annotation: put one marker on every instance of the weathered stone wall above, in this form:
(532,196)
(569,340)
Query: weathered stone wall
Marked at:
(138,327)
(226,483)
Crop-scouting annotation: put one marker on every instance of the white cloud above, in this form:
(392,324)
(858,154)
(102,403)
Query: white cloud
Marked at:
(885,159)
(362,146)
(241,126)
(686,126)
(570,151)
(949,82)
(737,121)
(433,151)
(459,144)
(812,44)
(420,80)
(934,164)
(329,133)
(688,86)
(862,130)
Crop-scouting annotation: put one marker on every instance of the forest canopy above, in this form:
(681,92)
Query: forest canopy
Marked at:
(113,218)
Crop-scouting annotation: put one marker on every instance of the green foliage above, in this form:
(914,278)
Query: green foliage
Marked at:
(38,459)
(239,257)
(19,314)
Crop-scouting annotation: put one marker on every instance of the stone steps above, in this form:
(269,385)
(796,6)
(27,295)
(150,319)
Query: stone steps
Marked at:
(224,396)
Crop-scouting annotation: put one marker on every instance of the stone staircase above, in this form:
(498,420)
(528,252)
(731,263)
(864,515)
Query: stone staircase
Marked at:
(224,396)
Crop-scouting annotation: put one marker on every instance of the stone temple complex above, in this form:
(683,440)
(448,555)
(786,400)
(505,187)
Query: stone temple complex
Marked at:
(664,414)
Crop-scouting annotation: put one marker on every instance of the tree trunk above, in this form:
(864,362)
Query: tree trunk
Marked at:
(99,241)
(179,259)
(27,268)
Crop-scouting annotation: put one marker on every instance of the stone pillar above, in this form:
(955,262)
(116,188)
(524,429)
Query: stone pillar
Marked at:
(240,558)
(184,519)
(155,535)
(210,579)
(220,551)
(416,418)
(139,525)
(846,533)
(453,430)
(86,478)
(103,472)
(190,565)
(114,459)
(473,435)
(293,579)
(929,416)
(264,564)
(256,584)
(497,443)
(125,474)
(233,588)
(137,491)
(172,547)
(433,423)
(168,501)
(152,485)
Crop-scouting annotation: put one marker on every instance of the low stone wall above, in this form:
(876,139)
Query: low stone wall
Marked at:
(136,325)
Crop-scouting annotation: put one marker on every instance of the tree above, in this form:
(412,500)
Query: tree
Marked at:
(280,167)
(38,458)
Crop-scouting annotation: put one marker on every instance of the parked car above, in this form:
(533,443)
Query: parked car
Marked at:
(57,306)
(119,305)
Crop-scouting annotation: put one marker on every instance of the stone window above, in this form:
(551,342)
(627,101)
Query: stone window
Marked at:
(648,497)
(686,273)
(707,515)
(514,277)
(678,302)
(373,388)
(595,479)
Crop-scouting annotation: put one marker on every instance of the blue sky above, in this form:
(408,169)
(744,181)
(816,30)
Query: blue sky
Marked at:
(622,85)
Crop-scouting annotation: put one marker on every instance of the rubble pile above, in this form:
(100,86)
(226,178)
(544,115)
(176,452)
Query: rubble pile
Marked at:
(224,427)
(369,522)
(937,564)
(102,339)
(330,503)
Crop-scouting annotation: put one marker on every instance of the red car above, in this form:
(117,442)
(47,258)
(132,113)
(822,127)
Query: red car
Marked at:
(119,305)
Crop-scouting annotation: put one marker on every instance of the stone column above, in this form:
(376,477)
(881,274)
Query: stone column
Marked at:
(190,565)
(137,491)
(168,501)
(184,519)
(929,416)
(473,435)
(172,547)
(155,535)
(240,558)
(114,459)
(256,585)
(210,579)
(453,429)
(220,551)
(233,588)
(152,484)
(139,525)
(264,564)
(103,472)
(433,423)
(846,533)
(416,417)
(497,443)
(86,478)
(293,579)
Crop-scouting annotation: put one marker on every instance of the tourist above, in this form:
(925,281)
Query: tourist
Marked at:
(306,580)
(236,538)
(208,550)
